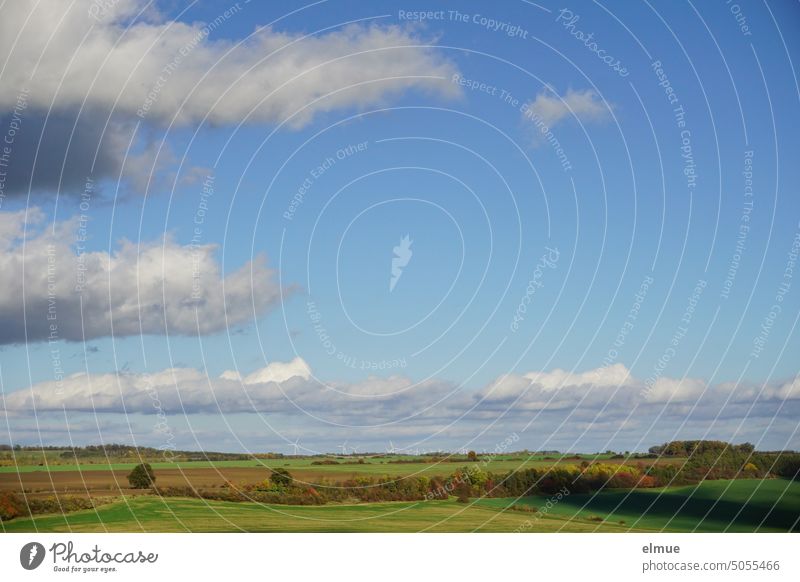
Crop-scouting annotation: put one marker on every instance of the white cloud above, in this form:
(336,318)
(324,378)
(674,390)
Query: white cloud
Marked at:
(173,389)
(597,398)
(608,376)
(433,414)
(86,83)
(676,390)
(153,288)
(275,372)
(552,109)
(278,387)
(511,386)
(64,57)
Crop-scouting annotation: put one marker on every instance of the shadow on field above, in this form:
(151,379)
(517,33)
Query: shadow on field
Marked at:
(686,510)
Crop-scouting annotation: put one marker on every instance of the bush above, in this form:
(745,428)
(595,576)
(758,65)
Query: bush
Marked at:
(11,506)
(62,504)
(788,465)
(281,477)
(463,491)
(142,477)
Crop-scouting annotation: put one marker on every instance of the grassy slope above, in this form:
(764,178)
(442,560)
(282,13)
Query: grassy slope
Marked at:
(177,515)
(743,505)
(776,501)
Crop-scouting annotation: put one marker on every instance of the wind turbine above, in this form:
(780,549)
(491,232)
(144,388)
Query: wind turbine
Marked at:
(391,449)
(296,445)
(343,446)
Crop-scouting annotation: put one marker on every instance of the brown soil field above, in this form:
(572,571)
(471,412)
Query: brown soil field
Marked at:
(42,483)
(113,482)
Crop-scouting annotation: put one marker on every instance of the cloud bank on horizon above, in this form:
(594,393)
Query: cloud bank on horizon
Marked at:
(599,403)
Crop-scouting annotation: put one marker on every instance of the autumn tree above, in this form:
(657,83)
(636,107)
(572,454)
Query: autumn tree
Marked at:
(11,505)
(462,492)
(281,477)
(142,476)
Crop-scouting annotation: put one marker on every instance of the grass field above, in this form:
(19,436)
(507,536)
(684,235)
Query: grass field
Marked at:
(177,515)
(743,505)
(371,465)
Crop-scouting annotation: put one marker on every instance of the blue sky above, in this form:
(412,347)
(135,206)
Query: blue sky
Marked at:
(473,182)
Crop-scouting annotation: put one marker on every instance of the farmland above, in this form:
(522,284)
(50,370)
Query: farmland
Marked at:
(680,486)
(744,505)
(101,477)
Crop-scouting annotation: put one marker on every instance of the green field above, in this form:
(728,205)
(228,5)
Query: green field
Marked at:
(179,515)
(371,465)
(774,502)
(744,505)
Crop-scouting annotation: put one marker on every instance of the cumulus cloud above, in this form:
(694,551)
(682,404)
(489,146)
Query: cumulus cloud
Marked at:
(557,388)
(276,372)
(174,389)
(60,150)
(278,387)
(118,65)
(676,390)
(551,109)
(153,288)
(599,401)
(608,395)
(91,80)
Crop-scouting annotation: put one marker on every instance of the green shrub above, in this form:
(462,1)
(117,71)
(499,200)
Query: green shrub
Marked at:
(142,477)
(281,477)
